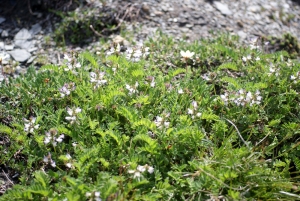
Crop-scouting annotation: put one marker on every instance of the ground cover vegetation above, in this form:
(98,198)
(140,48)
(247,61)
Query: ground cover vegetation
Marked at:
(163,120)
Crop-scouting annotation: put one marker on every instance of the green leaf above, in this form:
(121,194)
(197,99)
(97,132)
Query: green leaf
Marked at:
(145,123)
(5,129)
(232,81)
(88,56)
(49,67)
(93,123)
(210,116)
(231,66)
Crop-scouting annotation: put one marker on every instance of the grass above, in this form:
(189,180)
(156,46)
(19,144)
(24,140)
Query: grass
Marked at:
(150,124)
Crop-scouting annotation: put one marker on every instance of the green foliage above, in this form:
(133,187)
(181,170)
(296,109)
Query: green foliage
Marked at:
(161,127)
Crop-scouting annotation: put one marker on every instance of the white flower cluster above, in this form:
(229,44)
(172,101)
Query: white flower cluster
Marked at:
(69,164)
(137,173)
(132,89)
(29,126)
(98,79)
(295,77)
(51,137)
(95,196)
(132,53)
(193,112)
(136,53)
(150,81)
(73,114)
(71,64)
(253,43)
(242,98)
(161,122)
(273,70)
(66,89)
(249,57)
(115,49)
(48,160)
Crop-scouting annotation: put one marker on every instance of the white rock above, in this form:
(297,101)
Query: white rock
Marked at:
(5,57)
(9,47)
(24,44)
(23,34)
(1,45)
(223,8)
(35,29)
(2,19)
(20,55)
(4,34)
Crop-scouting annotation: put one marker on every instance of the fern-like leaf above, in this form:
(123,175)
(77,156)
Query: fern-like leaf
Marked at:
(5,129)
(137,73)
(88,56)
(232,81)
(49,67)
(231,66)
(145,123)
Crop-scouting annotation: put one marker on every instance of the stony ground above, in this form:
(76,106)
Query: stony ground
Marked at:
(26,30)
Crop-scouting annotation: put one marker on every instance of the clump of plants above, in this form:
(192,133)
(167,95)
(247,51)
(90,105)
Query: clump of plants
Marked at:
(154,123)
(288,43)
(79,26)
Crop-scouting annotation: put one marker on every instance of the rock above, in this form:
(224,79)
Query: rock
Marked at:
(223,8)
(35,29)
(242,35)
(29,61)
(20,55)
(9,47)
(4,34)
(2,19)
(22,39)
(120,40)
(23,44)
(5,57)
(1,45)
(23,34)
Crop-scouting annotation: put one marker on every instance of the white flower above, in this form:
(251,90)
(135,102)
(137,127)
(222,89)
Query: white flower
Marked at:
(47,139)
(133,89)
(69,165)
(199,114)
(97,194)
(73,114)
(30,127)
(141,168)
(71,64)
(114,50)
(136,53)
(97,78)
(180,91)
(68,156)
(194,104)
(66,89)
(152,84)
(48,159)
(53,164)
(293,77)
(186,55)
(190,111)
(136,174)
(160,122)
(60,138)
(150,169)
(257,58)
